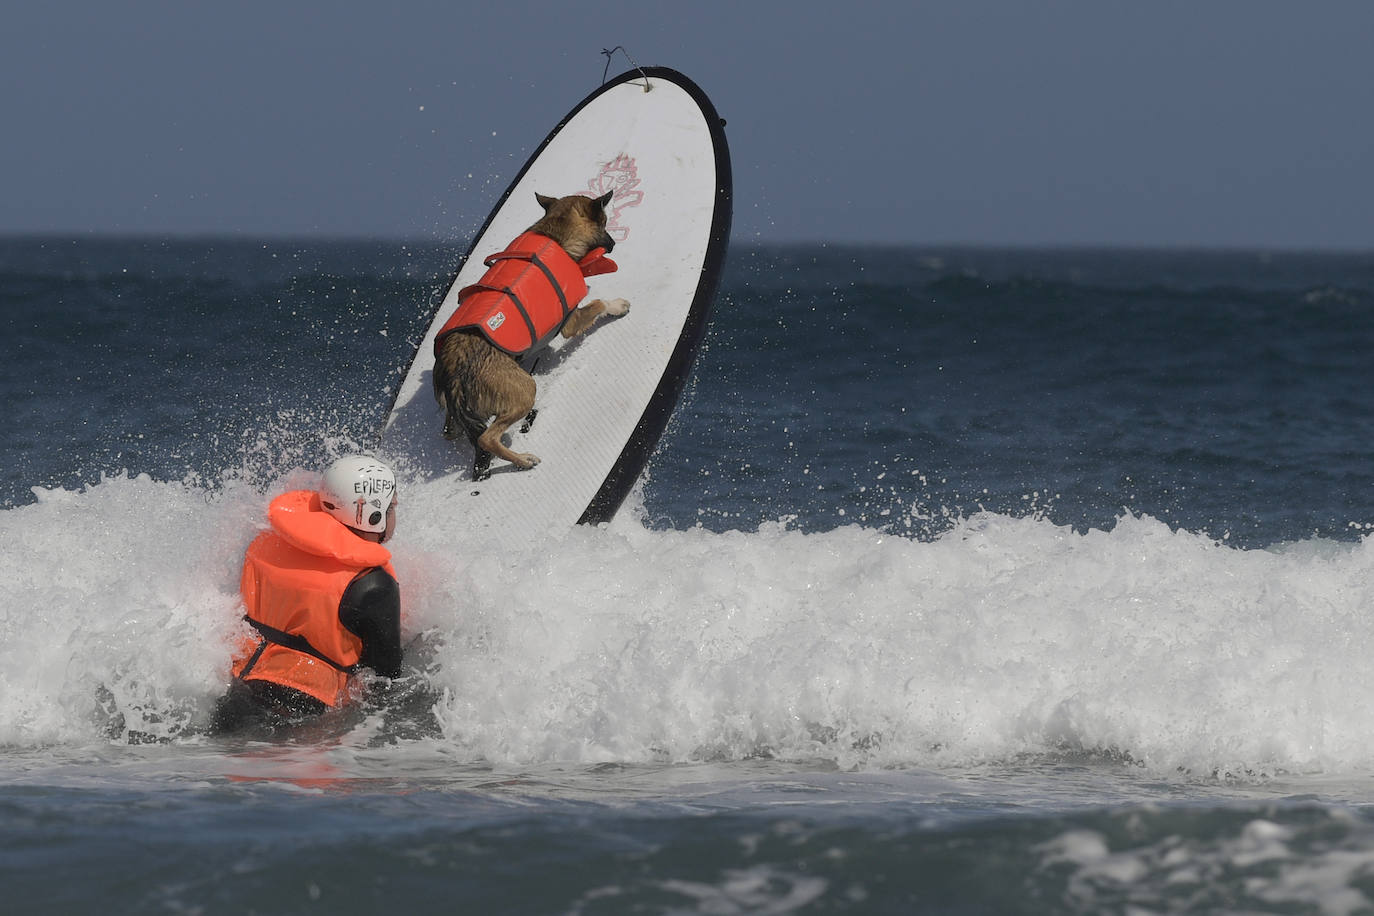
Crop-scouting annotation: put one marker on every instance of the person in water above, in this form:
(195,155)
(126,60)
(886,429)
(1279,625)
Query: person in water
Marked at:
(320,592)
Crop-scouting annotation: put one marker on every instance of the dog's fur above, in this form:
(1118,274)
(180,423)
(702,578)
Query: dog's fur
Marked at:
(475,381)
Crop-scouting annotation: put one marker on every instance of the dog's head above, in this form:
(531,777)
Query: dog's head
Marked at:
(576,222)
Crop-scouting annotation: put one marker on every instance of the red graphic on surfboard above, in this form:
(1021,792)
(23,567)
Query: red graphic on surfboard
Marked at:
(620,176)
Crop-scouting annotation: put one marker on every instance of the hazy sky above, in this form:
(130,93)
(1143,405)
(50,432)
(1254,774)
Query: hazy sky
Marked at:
(1151,122)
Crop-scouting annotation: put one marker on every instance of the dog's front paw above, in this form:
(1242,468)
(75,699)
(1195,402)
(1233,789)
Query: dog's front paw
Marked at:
(617,307)
(525,460)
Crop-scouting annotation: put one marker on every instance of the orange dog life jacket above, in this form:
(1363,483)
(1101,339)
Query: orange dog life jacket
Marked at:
(294,577)
(527,293)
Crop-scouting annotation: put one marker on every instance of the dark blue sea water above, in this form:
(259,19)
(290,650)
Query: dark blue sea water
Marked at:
(963,581)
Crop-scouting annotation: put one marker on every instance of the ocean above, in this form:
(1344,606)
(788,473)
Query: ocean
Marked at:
(963,581)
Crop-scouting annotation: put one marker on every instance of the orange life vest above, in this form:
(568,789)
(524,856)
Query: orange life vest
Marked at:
(527,293)
(294,577)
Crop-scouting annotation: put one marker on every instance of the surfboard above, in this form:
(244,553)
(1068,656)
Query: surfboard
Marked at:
(653,138)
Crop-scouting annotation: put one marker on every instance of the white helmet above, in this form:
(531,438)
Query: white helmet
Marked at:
(357,491)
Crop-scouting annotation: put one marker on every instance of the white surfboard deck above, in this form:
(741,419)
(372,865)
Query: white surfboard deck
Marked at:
(605,397)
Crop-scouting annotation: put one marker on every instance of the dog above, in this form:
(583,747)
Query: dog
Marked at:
(506,320)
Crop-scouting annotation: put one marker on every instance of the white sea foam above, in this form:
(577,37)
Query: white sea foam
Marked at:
(1004,636)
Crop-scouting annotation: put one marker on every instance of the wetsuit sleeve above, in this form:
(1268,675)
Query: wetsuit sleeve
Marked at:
(371,610)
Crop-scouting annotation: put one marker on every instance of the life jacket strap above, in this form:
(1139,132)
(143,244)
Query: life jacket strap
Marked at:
(548,275)
(252,659)
(273,636)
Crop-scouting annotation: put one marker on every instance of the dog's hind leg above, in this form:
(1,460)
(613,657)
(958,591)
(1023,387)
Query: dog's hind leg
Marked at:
(473,426)
(481,464)
(490,441)
(510,393)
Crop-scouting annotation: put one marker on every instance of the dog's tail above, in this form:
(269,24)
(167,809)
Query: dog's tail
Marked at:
(457,417)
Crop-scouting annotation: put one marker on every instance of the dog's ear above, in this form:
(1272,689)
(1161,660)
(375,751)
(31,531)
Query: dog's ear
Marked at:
(605,199)
(545,201)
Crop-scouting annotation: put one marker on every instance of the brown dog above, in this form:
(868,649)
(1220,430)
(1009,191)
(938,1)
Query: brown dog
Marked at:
(481,354)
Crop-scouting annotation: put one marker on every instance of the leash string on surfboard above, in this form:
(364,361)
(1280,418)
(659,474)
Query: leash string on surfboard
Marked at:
(621,48)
